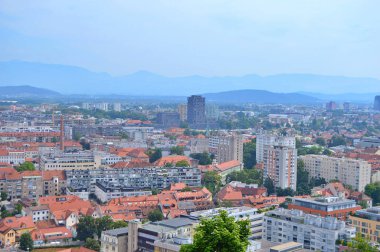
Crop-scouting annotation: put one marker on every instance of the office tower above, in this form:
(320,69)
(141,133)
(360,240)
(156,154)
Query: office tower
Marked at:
(278,156)
(182,110)
(356,173)
(227,147)
(330,106)
(196,111)
(376,105)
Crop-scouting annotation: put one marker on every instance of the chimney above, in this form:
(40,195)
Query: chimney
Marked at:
(62,135)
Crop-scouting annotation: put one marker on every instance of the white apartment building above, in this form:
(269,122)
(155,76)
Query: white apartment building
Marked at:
(68,161)
(227,147)
(12,157)
(239,213)
(356,173)
(265,139)
(314,232)
(117,107)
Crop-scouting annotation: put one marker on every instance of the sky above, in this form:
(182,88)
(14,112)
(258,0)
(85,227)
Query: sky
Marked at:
(197,37)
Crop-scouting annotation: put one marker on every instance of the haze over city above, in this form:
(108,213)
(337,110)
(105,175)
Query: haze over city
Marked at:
(198,38)
(189,126)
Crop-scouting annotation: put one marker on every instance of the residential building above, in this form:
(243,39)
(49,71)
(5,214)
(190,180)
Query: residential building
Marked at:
(199,144)
(314,232)
(356,173)
(196,111)
(82,182)
(325,206)
(149,237)
(105,190)
(117,107)
(68,161)
(280,164)
(278,156)
(168,119)
(264,139)
(51,236)
(19,224)
(38,213)
(182,110)
(115,240)
(367,223)
(226,147)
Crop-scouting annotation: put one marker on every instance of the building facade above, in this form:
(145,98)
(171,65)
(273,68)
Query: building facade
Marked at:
(314,232)
(196,111)
(367,223)
(356,173)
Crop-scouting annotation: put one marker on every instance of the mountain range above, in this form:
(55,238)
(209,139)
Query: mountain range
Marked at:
(67,79)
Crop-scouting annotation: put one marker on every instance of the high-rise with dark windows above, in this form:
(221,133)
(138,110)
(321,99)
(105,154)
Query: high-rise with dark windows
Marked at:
(376,105)
(196,111)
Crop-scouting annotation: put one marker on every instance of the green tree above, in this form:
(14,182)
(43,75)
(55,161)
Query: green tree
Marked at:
(102,224)
(303,187)
(155,215)
(154,155)
(182,163)
(212,181)
(119,224)
(337,140)
(86,228)
(220,233)
(321,141)
(373,190)
(249,176)
(285,192)
(18,209)
(26,166)
(26,242)
(249,154)
(4,196)
(269,185)
(360,244)
(177,150)
(92,244)
(203,158)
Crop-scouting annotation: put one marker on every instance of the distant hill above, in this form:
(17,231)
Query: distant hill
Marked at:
(26,91)
(259,96)
(75,80)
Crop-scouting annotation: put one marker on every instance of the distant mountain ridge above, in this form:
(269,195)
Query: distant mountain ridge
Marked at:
(259,96)
(76,80)
(26,91)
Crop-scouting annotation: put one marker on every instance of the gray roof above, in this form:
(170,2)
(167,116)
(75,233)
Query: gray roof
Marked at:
(175,223)
(117,232)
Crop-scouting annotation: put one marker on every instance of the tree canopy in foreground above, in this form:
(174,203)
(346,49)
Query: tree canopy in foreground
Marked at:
(220,234)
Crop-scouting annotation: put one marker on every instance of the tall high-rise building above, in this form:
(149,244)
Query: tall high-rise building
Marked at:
(227,147)
(264,139)
(168,119)
(196,111)
(182,110)
(346,107)
(278,154)
(376,105)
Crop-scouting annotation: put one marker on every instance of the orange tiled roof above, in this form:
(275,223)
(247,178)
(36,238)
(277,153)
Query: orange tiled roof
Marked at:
(17,223)
(172,159)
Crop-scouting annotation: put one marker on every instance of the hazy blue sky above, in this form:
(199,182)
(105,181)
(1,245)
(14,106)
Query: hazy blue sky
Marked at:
(176,38)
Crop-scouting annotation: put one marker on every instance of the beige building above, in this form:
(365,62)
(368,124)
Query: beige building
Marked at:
(182,110)
(280,164)
(367,223)
(356,173)
(227,147)
(68,161)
